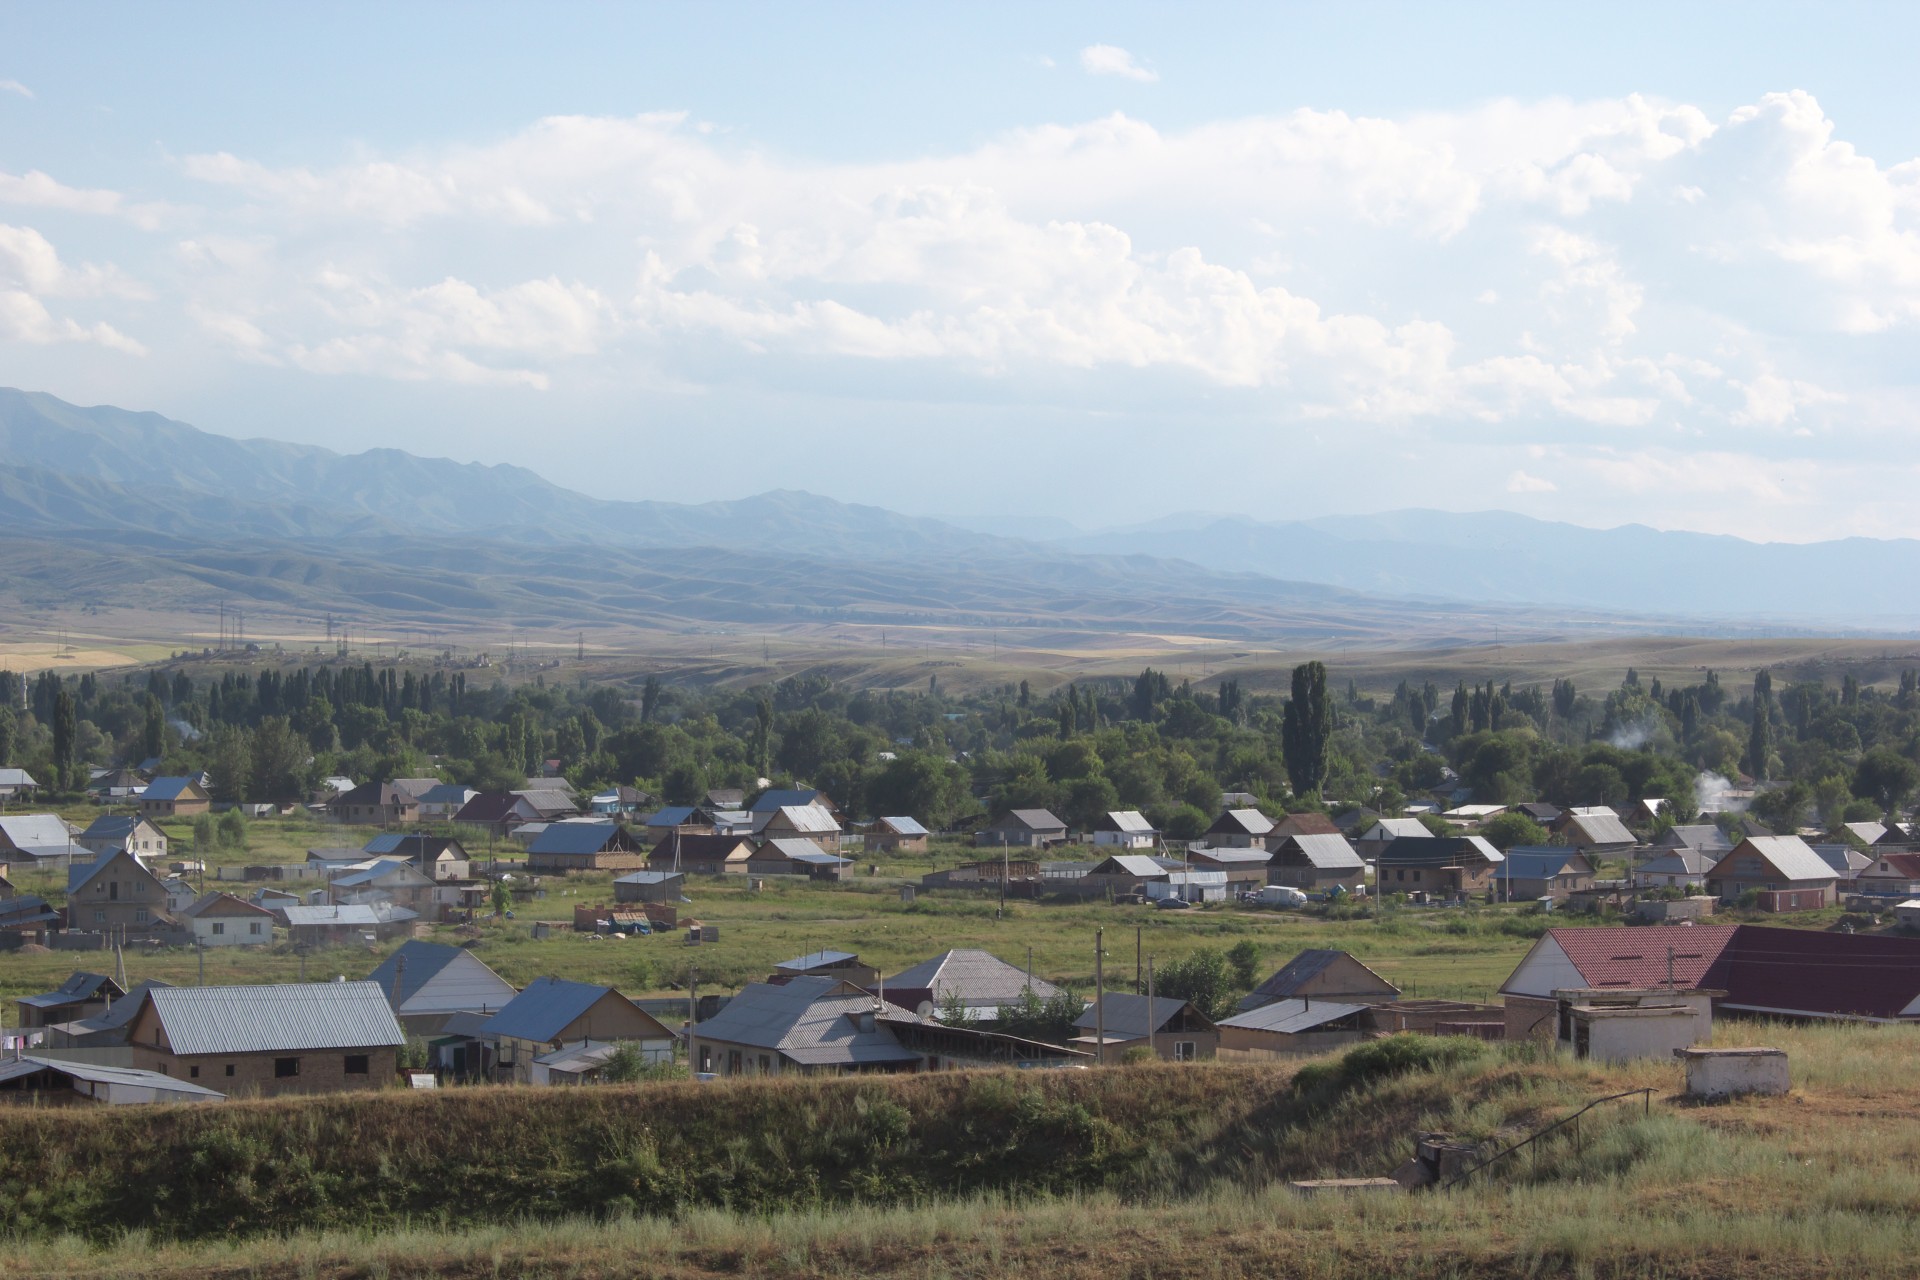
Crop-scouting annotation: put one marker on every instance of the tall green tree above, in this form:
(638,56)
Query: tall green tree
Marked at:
(1306,729)
(153,729)
(6,735)
(64,735)
(1760,735)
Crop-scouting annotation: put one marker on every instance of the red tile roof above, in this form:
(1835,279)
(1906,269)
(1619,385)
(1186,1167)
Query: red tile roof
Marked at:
(1622,957)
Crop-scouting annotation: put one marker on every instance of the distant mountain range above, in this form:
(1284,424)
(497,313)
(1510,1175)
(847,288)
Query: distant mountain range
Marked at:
(102,506)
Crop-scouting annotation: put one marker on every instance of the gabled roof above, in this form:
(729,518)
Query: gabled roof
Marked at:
(1596,829)
(1789,855)
(1542,862)
(375,795)
(776,798)
(36,831)
(1130,1017)
(1290,1017)
(495,806)
(1846,861)
(417,962)
(114,826)
(1604,957)
(815,1021)
(1439,851)
(799,849)
(170,788)
(417,787)
(1126,821)
(979,978)
(1306,824)
(1030,820)
(649,877)
(277,1018)
(16,778)
(699,848)
(79,988)
(903,826)
(545,1009)
(1898,864)
(452,793)
(1323,852)
(1302,969)
(223,904)
(809,818)
(674,815)
(79,877)
(348,915)
(410,846)
(575,837)
(1397,829)
(169,1087)
(1238,857)
(1681,861)
(381,869)
(1703,836)
(817,960)
(1241,822)
(1130,864)
(25,911)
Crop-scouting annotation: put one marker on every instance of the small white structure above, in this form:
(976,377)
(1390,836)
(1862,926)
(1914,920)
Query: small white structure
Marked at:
(1908,913)
(1189,886)
(1618,1025)
(1728,1073)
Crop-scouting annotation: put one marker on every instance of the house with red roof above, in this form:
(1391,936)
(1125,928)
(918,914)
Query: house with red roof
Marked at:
(1751,969)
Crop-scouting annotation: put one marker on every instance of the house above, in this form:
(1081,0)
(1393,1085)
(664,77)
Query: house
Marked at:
(37,840)
(27,917)
(702,855)
(777,798)
(1789,875)
(820,1025)
(1847,863)
(384,881)
(978,982)
(1867,833)
(1192,884)
(726,798)
(1473,815)
(417,787)
(1542,871)
(1302,824)
(1595,832)
(1240,829)
(127,831)
(174,798)
(1891,875)
(500,812)
(436,857)
(1316,862)
(376,804)
(84,995)
(107,1029)
(1451,866)
(305,1037)
(843,965)
(1703,837)
(650,886)
(1322,974)
(550,803)
(359,923)
(107,785)
(619,802)
(1024,828)
(1540,811)
(553,1013)
(579,1064)
(1291,1029)
(428,982)
(1762,970)
(1125,872)
(1387,830)
(807,821)
(897,835)
(37,1081)
(222,920)
(1125,829)
(1246,868)
(442,800)
(116,894)
(584,846)
(1622,1025)
(791,856)
(16,784)
(1174,1029)
(1679,867)
(683,818)
(551,781)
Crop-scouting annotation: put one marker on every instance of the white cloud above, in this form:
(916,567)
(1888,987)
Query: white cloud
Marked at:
(1112,60)
(31,271)
(37,189)
(14,86)
(1522,482)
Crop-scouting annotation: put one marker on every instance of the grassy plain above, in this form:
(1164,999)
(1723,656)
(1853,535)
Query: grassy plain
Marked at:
(1821,1182)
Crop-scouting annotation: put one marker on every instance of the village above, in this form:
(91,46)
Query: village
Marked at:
(1627,936)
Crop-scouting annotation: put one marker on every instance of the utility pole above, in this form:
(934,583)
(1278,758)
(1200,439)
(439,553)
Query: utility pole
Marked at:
(1099,995)
(1150,1015)
(693,1020)
(1002,910)
(1137,988)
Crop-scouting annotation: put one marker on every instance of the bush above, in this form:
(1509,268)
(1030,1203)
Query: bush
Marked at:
(233,829)
(204,838)
(1381,1059)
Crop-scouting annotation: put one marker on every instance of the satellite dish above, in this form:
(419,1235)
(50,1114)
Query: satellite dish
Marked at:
(925,1009)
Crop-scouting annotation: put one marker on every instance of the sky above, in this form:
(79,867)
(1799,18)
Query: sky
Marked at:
(1653,263)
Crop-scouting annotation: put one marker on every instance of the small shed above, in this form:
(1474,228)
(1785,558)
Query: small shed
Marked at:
(650,886)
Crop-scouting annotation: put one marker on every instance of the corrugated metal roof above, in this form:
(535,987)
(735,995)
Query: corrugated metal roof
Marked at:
(1789,855)
(167,788)
(1682,860)
(272,1019)
(36,831)
(545,1009)
(1598,829)
(768,801)
(1128,822)
(575,837)
(1126,1015)
(1324,852)
(806,817)
(16,778)
(649,877)
(1537,862)
(353,915)
(1250,822)
(461,980)
(977,978)
(808,1020)
(816,960)
(1290,1017)
(93,1074)
(382,869)
(906,826)
(78,987)
(1133,864)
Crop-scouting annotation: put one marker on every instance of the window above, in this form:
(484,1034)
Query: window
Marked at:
(99,917)
(113,891)
(140,916)
(1183,1051)
(229,1068)
(285,1068)
(218,928)
(356,1064)
(193,1072)
(253,926)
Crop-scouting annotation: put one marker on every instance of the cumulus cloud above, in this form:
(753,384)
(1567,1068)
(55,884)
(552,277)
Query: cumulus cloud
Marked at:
(31,271)
(37,189)
(1112,60)
(1522,482)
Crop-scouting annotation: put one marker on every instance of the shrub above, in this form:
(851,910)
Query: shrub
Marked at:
(233,829)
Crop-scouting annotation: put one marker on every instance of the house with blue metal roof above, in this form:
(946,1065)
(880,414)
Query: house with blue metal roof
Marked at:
(174,798)
(1542,871)
(428,982)
(553,1013)
(127,831)
(584,846)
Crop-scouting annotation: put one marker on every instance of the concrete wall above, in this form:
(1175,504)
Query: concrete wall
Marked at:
(255,1075)
(1725,1073)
